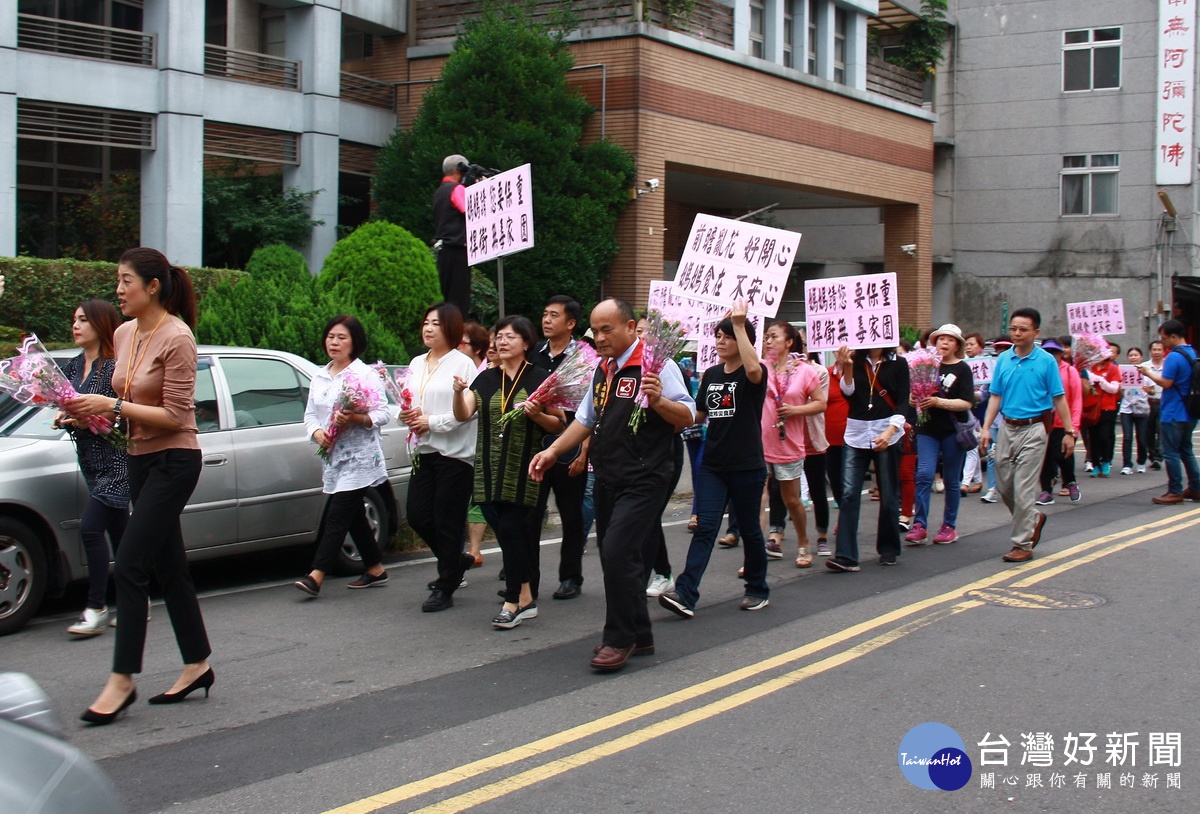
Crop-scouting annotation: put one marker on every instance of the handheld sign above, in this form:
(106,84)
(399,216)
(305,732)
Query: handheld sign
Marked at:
(1096,317)
(860,311)
(1132,378)
(499,216)
(981,368)
(725,261)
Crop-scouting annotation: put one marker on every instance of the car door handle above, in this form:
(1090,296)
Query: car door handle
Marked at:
(215,460)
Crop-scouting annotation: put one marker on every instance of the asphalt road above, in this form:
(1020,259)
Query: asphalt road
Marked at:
(358,700)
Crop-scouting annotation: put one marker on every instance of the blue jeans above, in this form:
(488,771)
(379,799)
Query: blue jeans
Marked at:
(744,490)
(1178,457)
(928,448)
(854,472)
(1133,425)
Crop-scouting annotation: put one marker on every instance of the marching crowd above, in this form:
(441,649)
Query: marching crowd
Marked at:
(769,439)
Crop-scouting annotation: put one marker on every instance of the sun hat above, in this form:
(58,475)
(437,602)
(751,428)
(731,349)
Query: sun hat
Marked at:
(949,329)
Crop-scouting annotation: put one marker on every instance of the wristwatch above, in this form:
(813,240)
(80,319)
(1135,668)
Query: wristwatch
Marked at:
(1072,433)
(117,408)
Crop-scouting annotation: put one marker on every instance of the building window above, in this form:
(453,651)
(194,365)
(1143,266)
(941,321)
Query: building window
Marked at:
(1091,59)
(758,28)
(1089,184)
(840,23)
(789,36)
(811,63)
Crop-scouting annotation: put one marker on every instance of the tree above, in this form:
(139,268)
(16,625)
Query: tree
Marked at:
(245,210)
(504,101)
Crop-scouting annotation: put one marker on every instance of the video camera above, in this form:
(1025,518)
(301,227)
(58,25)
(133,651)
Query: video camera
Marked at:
(473,173)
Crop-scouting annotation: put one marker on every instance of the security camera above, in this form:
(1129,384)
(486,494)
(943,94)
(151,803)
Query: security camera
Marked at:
(652,184)
(909,248)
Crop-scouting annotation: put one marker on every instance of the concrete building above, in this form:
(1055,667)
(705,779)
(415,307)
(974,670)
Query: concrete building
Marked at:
(1047,149)
(159,87)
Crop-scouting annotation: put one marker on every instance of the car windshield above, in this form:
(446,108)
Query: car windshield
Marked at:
(32,423)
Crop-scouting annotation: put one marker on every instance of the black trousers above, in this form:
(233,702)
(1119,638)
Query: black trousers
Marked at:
(833,471)
(1153,447)
(100,525)
(518,532)
(814,473)
(160,484)
(1104,438)
(346,513)
(568,496)
(439,496)
(1056,461)
(662,558)
(455,277)
(627,527)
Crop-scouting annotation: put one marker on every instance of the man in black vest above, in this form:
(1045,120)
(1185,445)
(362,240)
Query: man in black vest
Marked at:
(633,473)
(450,229)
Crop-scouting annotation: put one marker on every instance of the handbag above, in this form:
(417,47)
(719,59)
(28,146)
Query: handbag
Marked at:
(967,432)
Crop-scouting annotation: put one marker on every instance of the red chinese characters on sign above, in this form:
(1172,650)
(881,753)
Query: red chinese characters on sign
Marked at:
(1174,135)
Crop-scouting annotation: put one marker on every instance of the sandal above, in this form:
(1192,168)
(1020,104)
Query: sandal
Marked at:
(775,537)
(693,523)
(728,541)
(804,559)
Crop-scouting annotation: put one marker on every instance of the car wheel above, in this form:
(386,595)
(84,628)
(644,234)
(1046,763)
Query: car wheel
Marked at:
(349,559)
(23,574)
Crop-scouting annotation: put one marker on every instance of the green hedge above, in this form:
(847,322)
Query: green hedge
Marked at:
(41,295)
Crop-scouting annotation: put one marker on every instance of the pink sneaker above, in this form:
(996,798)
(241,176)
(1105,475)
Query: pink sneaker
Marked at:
(946,535)
(917,535)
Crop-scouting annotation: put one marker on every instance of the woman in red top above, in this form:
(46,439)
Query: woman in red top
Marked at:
(1106,378)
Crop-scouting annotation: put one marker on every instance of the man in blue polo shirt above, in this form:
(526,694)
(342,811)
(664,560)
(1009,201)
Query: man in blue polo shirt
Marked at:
(1025,385)
(1176,426)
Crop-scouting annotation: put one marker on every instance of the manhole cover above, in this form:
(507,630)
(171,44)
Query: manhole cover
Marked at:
(1041,599)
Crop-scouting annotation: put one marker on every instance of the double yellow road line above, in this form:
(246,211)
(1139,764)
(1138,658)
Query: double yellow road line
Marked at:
(894,625)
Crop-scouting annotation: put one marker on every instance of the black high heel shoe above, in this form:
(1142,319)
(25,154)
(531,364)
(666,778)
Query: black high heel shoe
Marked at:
(205,681)
(90,716)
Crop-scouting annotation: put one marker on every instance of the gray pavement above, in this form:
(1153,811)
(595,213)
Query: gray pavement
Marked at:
(319,704)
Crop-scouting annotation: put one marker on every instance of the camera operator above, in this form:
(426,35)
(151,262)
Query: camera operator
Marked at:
(450,233)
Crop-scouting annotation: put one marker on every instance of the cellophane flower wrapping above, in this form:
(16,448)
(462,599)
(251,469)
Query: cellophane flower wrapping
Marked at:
(34,378)
(780,382)
(924,376)
(357,396)
(662,341)
(396,384)
(565,387)
(1088,349)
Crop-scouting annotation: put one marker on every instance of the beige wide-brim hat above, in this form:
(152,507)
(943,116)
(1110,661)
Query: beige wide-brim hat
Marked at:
(949,329)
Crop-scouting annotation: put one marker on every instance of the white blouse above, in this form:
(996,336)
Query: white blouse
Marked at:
(433,395)
(356,459)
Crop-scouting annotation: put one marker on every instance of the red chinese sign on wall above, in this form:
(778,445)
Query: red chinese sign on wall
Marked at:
(1175,122)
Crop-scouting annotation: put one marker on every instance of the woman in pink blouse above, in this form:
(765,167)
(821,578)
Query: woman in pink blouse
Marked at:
(155,383)
(793,392)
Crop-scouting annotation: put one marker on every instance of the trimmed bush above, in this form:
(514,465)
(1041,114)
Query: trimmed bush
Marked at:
(41,295)
(383,269)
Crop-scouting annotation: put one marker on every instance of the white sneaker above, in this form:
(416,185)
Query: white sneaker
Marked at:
(463,584)
(1087,466)
(992,496)
(1141,469)
(91,623)
(660,585)
(1126,471)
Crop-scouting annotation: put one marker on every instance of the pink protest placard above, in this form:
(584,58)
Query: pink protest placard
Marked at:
(1132,378)
(981,368)
(692,314)
(706,342)
(861,311)
(1096,317)
(725,261)
(499,215)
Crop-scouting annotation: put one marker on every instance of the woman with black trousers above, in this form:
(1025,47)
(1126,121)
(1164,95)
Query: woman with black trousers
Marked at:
(105,468)
(439,493)
(155,382)
(354,458)
(876,384)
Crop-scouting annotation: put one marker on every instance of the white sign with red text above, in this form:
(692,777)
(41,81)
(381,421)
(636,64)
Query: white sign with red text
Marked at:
(725,261)
(499,215)
(1175,123)
(1096,317)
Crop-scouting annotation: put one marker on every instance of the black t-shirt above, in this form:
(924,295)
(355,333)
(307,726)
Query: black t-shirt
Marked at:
(956,383)
(734,406)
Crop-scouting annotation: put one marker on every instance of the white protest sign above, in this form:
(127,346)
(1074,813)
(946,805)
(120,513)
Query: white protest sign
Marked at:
(691,314)
(1132,378)
(1096,317)
(859,311)
(499,216)
(1176,110)
(981,368)
(706,341)
(728,260)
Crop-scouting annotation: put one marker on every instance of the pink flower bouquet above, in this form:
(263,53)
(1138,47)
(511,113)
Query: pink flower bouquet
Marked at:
(924,377)
(565,387)
(1088,349)
(397,387)
(33,377)
(662,342)
(356,396)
